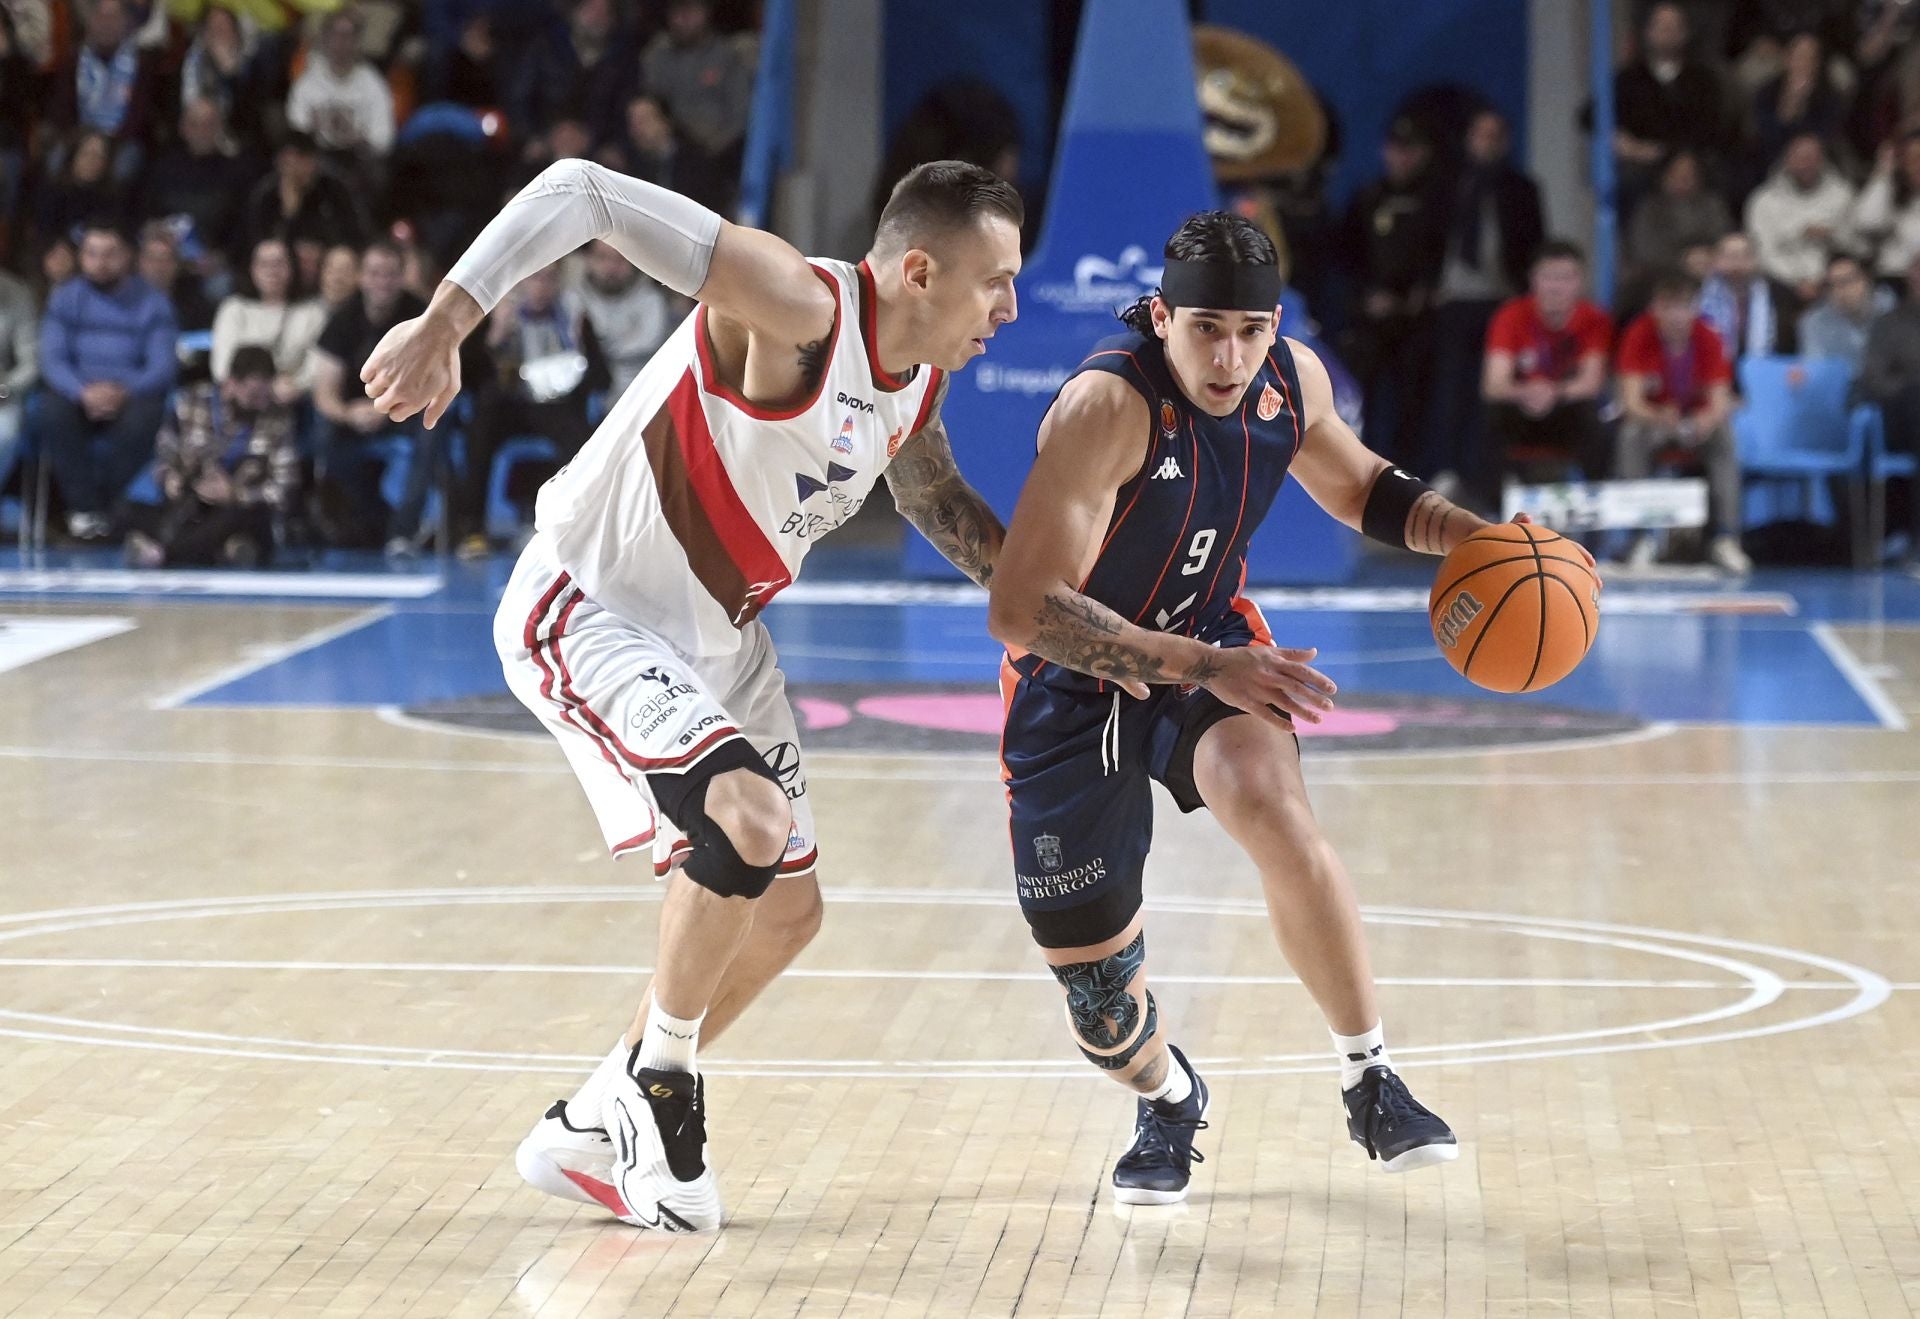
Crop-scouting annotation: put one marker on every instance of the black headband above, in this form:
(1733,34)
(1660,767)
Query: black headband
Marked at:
(1220,285)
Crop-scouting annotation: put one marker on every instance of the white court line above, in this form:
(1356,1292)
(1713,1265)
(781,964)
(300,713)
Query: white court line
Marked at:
(1764,986)
(132,756)
(1328,750)
(211,582)
(834,765)
(987,659)
(29,638)
(1323,753)
(1864,683)
(254,658)
(399,718)
(816,973)
(1342,599)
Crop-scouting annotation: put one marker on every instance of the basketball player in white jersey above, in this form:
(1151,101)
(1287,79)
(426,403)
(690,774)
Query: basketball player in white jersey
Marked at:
(630,624)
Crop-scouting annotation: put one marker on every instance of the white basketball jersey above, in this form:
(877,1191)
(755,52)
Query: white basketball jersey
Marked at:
(691,508)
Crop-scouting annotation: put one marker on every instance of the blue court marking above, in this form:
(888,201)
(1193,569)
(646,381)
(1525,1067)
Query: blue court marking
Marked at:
(334,576)
(1707,669)
(1688,668)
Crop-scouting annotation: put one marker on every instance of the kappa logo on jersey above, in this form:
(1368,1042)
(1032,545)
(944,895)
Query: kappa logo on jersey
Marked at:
(1269,403)
(1046,850)
(843,442)
(1169,419)
(1168,470)
(857,404)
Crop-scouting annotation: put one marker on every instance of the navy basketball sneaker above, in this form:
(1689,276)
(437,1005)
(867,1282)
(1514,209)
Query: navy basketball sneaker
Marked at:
(1393,1126)
(1156,1169)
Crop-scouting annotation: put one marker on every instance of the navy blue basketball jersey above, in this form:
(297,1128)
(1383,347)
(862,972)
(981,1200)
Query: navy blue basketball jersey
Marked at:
(1174,555)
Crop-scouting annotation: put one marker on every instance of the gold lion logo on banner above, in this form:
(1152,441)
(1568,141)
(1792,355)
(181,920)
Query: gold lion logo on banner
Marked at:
(1262,118)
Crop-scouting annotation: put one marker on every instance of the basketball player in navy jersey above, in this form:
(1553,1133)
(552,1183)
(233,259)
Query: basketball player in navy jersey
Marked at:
(1132,657)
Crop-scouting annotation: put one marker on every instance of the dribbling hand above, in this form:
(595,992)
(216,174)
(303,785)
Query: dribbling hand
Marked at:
(1272,683)
(1592,563)
(415,368)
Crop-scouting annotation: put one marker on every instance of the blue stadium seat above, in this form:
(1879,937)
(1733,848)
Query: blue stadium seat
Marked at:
(1795,430)
(502,518)
(443,118)
(1881,466)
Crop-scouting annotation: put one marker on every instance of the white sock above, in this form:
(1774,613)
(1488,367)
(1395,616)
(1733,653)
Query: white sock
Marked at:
(1174,1090)
(1359,1052)
(668,1043)
(583,1110)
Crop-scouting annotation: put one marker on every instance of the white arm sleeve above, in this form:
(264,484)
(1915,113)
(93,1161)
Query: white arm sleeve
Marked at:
(573,202)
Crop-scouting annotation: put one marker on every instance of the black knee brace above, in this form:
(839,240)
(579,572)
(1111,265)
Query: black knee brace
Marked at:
(1102,1008)
(715,864)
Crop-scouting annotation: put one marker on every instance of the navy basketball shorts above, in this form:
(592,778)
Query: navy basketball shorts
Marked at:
(1079,767)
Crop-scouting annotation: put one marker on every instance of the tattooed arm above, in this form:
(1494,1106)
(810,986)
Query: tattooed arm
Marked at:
(930,493)
(1339,471)
(1092,442)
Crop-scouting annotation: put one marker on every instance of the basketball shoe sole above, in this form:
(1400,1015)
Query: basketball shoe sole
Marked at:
(573,1163)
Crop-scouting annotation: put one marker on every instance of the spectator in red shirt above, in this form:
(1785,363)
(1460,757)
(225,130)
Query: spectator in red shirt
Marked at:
(1546,363)
(1676,395)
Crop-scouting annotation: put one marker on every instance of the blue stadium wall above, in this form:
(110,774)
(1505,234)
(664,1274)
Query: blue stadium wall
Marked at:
(1365,56)
(1362,55)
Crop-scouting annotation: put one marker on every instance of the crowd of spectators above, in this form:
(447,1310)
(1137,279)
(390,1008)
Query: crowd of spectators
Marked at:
(210,212)
(1768,166)
(183,182)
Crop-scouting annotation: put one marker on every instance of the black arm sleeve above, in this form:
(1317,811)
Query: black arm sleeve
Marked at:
(1393,496)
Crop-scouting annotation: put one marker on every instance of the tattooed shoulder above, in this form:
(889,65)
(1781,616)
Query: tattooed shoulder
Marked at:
(813,361)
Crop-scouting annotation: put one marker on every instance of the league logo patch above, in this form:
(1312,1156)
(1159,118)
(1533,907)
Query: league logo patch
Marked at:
(1269,403)
(1169,419)
(894,441)
(1046,850)
(843,442)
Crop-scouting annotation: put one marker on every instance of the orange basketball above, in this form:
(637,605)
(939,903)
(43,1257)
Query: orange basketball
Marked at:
(1515,607)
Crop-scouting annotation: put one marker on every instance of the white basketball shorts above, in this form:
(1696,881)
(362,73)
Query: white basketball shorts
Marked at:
(624,703)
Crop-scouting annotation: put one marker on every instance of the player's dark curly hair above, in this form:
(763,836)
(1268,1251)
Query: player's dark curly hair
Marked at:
(1208,236)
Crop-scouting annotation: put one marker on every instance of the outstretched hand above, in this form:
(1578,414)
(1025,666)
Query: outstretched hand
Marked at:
(1272,683)
(414,369)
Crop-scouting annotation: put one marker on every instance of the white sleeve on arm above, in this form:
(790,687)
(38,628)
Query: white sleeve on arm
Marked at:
(573,202)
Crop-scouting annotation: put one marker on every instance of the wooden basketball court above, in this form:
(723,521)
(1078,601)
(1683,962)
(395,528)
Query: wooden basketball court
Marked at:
(282,984)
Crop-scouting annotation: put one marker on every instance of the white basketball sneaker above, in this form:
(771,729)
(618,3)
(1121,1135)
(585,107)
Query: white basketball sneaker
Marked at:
(574,1163)
(658,1121)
